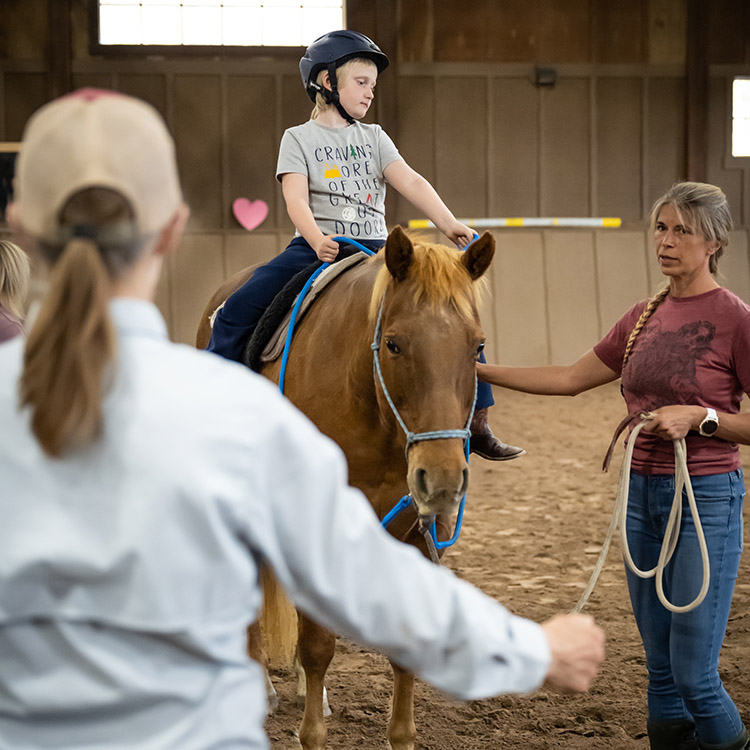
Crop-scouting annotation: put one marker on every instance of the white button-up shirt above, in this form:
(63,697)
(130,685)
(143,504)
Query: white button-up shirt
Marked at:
(129,570)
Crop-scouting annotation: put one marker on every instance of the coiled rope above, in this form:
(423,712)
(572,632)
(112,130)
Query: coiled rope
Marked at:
(671,534)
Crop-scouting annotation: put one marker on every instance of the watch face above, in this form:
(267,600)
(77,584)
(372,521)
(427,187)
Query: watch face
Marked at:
(709,427)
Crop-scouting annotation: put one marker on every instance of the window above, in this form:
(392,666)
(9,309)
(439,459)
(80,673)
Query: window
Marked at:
(741,117)
(277,23)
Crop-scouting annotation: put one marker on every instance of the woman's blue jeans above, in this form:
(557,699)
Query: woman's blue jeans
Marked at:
(682,650)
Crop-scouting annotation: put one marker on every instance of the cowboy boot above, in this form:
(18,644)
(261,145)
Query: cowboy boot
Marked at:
(485,444)
(672,735)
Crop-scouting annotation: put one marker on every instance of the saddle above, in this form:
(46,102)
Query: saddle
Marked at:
(267,341)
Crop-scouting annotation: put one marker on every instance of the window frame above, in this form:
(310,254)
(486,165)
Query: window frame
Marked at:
(730,160)
(184,50)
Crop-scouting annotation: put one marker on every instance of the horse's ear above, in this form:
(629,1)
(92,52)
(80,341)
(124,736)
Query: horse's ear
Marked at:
(399,253)
(478,255)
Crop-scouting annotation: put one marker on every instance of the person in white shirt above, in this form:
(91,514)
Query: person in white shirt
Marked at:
(144,483)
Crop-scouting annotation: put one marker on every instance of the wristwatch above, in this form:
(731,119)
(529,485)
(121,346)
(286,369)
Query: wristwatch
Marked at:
(710,423)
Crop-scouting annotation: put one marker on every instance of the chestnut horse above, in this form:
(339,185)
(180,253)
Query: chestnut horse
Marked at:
(424,299)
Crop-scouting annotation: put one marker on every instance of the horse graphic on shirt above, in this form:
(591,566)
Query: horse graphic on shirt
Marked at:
(663,367)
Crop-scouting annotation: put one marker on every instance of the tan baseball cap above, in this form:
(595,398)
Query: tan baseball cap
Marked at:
(95,138)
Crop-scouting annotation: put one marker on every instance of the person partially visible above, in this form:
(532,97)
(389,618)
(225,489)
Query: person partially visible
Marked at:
(334,171)
(144,484)
(684,360)
(14,285)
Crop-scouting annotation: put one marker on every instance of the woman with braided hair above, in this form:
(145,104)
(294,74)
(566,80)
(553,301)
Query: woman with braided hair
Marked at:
(683,356)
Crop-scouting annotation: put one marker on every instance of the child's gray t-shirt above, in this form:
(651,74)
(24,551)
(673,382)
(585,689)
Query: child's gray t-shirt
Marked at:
(344,169)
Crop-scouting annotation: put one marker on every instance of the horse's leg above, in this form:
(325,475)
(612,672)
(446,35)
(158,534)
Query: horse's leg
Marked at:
(302,688)
(401,728)
(257,652)
(315,649)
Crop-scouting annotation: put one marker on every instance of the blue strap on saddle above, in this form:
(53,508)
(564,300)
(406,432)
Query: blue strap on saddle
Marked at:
(298,304)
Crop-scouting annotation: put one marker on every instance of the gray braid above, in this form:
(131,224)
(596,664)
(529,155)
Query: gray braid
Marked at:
(648,311)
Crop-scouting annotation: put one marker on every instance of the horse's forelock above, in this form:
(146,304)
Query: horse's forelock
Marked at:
(439,277)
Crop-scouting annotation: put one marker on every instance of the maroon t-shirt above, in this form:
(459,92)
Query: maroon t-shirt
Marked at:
(692,350)
(10,326)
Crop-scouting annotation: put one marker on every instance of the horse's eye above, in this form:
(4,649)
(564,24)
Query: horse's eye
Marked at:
(480,348)
(392,346)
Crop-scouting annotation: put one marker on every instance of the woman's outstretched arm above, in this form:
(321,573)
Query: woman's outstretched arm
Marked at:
(550,380)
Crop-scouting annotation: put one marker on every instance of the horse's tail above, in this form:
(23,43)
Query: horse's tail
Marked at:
(278,621)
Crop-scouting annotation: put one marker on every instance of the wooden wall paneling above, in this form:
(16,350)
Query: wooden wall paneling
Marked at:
(24,94)
(571,284)
(415,139)
(196,273)
(729,31)
(461,30)
(521,334)
(197,131)
(564,31)
(25,30)
(151,87)
(461,144)
(622,273)
(252,144)
(667,31)
(513,31)
(719,133)
(665,144)
(619,148)
(734,266)
(416,31)
(251,248)
(565,148)
(620,28)
(513,159)
(295,109)
(93,80)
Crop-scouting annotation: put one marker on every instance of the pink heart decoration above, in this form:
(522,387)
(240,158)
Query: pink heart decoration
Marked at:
(250,214)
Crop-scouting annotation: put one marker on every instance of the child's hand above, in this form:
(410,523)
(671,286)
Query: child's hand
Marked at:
(326,249)
(459,234)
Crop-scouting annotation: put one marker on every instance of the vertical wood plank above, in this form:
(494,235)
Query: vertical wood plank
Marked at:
(461,30)
(565,31)
(461,144)
(571,294)
(252,145)
(197,271)
(519,302)
(667,31)
(514,158)
(620,31)
(197,132)
(149,87)
(622,274)
(415,142)
(513,31)
(734,266)
(416,31)
(24,94)
(665,145)
(565,176)
(619,147)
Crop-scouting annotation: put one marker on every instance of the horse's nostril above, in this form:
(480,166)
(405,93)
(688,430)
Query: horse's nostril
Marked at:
(421,478)
(465,483)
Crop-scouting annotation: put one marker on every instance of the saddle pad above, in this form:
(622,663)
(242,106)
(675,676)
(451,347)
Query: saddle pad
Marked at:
(275,346)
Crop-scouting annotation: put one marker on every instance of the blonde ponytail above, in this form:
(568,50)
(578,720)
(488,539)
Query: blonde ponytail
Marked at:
(71,348)
(68,352)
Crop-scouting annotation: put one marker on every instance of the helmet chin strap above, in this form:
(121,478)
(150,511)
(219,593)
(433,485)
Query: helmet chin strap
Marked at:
(332,96)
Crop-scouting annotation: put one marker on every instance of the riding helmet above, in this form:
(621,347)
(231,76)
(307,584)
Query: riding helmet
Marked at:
(332,50)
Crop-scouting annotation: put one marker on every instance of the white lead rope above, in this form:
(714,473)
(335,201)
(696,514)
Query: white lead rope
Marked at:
(671,534)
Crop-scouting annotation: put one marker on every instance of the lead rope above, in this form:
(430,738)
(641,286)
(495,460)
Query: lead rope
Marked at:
(671,534)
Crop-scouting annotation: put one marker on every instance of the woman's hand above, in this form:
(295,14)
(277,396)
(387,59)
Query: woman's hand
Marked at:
(674,422)
(326,249)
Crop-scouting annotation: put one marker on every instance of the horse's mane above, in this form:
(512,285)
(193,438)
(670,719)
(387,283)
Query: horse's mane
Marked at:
(438,276)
